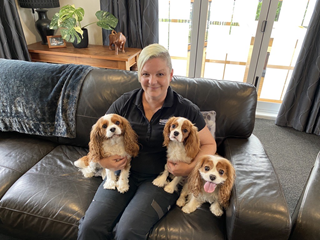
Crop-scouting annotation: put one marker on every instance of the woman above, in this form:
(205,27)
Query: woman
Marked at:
(131,215)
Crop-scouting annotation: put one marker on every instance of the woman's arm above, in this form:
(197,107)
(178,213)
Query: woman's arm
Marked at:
(207,146)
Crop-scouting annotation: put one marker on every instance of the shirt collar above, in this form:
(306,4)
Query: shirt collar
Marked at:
(168,102)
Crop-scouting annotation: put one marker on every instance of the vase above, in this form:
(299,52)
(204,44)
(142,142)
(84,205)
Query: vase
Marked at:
(84,41)
(43,25)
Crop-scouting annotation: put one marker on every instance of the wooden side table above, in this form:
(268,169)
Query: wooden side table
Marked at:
(93,55)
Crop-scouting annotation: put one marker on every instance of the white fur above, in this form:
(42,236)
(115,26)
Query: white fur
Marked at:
(176,152)
(113,144)
(194,202)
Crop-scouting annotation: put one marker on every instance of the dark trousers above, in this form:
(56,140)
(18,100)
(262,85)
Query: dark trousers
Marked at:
(113,215)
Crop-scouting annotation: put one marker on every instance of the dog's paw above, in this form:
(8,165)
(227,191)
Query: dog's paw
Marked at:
(169,188)
(217,211)
(188,208)
(103,173)
(87,173)
(160,182)
(79,163)
(109,185)
(181,201)
(122,187)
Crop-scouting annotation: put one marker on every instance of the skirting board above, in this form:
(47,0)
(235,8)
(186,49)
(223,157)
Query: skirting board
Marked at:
(267,110)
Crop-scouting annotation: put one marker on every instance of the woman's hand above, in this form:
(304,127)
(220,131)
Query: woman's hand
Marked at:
(179,168)
(114,162)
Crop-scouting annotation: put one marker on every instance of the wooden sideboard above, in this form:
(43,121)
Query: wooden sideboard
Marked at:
(93,55)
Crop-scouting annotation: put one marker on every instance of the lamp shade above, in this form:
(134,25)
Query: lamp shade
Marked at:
(39,3)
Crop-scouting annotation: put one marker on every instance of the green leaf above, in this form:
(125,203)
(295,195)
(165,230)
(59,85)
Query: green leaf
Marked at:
(106,20)
(79,14)
(79,30)
(54,22)
(64,34)
(68,23)
(70,35)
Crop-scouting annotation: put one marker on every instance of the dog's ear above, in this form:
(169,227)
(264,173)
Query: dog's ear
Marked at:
(166,131)
(192,143)
(130,139)
(226,188)
(95,143)
(194,179)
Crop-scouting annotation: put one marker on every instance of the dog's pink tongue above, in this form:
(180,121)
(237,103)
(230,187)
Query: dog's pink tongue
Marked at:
(209,187)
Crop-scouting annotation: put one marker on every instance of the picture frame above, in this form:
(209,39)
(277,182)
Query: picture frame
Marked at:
(56,41)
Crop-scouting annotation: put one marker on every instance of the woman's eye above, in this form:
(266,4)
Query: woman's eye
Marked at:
(145,74)
(221,172)
(104,126)
(160,74)
(117,122)
(206,168)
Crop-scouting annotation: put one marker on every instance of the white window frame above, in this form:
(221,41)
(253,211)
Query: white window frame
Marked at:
(259,52)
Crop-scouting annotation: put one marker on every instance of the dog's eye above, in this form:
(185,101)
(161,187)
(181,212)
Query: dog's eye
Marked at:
(104,126)
(117,123)
(173,125)
(185,130)
(206,168)
(221,172)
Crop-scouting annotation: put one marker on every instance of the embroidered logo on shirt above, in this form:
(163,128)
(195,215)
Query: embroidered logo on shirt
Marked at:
(163,121)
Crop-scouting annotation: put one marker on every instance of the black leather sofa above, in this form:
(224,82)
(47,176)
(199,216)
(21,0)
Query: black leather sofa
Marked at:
(43,195)
(306,216)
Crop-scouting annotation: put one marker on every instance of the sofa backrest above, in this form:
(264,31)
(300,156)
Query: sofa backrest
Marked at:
(234,102)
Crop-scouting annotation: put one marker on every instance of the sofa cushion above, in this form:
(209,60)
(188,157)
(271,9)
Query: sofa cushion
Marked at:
(50,198)
(200,224)
(19,153)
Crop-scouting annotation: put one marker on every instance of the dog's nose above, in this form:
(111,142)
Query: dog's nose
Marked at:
(112,129)
(212,177)
(175,133)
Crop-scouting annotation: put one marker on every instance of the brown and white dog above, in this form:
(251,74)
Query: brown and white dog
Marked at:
(183,144)
(210,181)
(110,135)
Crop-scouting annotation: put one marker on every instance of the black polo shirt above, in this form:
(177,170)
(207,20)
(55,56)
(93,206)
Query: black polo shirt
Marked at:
(152,154)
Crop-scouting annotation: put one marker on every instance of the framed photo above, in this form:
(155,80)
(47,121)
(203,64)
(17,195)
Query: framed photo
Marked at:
(56,41)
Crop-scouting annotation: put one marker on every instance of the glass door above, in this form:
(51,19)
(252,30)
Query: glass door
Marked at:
(175,20)
(231,30)
(289,29)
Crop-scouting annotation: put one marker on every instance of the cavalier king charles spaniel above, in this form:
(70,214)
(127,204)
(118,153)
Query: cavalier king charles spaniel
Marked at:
(111,135)
(183,144)
(210,181)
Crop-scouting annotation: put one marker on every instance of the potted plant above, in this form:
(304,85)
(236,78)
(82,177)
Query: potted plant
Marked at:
(69,18)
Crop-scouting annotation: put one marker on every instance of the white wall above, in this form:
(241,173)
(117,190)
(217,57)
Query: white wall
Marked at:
(90,7)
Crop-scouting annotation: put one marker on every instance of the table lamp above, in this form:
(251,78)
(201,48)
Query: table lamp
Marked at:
(43,23)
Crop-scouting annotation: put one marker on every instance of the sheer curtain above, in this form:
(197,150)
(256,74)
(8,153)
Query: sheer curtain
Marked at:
(300,108)
(138,21)
(13,44)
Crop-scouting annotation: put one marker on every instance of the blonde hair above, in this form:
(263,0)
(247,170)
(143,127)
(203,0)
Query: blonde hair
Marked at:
(153,51)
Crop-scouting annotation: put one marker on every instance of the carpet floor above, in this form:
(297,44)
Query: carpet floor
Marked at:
(292,153)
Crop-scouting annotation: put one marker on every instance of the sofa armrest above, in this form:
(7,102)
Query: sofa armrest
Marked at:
(306,219)
(258,208)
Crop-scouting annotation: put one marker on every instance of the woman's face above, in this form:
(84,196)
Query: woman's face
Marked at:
(155,79)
